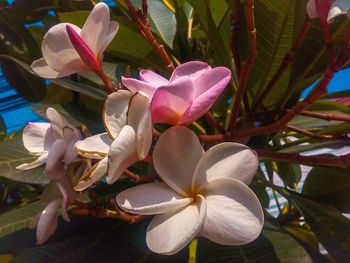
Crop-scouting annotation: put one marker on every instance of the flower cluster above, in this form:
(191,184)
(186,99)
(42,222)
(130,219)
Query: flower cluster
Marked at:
(199,194)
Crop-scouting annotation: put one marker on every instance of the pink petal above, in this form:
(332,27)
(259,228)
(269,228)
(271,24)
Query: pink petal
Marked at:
(41,68)
(54,162)
(311,9)
(136,85)
(153,78)
(192,69)
(83,50)
(210,86)
(323,7)
(112,31)
(170,102)
(58,122)
(37,137)
(47,223)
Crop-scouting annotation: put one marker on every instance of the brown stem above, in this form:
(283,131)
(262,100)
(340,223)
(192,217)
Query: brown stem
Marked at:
(326,116)
(149,159)
(148,35)
(235,30)
(339,161)
(314,135)
(106,81)
(117,213)
(144,9)
(246,65)
(141,179)
(213,122)
(287,60)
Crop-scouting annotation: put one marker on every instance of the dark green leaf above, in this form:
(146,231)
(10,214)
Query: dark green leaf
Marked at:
(28,11)
(289,173)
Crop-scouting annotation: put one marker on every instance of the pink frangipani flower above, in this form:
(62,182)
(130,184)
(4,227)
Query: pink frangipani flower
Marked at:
(203,194)
(67,49)
(189,93)
(327,10)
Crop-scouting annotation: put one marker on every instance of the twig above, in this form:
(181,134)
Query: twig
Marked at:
(326,116)
(106,81)
(287,60)
(246,66)
(314,135)
(213,122)
(148,35)
(339,161)
(141,179)
(117,213)
(234,36)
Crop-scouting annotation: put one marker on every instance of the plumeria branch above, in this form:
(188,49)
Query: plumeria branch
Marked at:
(315,136)
(339,161)
(213,122)
(235,30)
(287,60)
(326,116)
(148,35)
(246,65)
(141,179)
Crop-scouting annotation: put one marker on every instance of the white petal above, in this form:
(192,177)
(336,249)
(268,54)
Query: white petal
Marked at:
(58,50)
(58,122)
(234,215)
(115,109)
(139,117)
(175,157)
(26,166)
(122,154)
(96,28)
(41,68)
(112,31)
(92,175)
(311,9)
(37,137)
(94,147)
(150,199)
(70,153)
(339,7)
(169,233)
(55,158)
(230,160)
(47,223)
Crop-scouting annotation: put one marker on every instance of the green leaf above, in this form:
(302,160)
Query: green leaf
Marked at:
(330,186)
(27,11)
(289,173)
(12,154)
(108,68)
(273,245)
(19,218)
(330,226)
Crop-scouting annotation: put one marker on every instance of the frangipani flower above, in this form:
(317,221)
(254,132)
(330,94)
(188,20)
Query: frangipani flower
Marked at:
(127,120)
(191,91)
(203,194)
(327,10)
(67,49)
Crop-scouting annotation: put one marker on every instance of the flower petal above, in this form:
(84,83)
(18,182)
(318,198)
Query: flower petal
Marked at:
(37,137)
(311,9)
(122,154)
(47,223)
(58,123)
(136,85)
(150,199)
(26,166)
(41,68)
(97,28)
(58,50)
(139,117)
(170,102)
(339,7)
(94,147)
(112,31)
(208,88)
(68,194)
(153,78)
(175,157)
(92,175)
(55,158)
(226,160)
(192,69)
(234,215)
(169,233)
(115,109)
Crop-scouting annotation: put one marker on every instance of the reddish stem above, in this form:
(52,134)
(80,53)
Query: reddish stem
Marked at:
(316,136)
(287,60)
(326,116)
(339,161)
(235,30)
(141,179)
(148,35)
(106,81)
(213,122)
(246,66)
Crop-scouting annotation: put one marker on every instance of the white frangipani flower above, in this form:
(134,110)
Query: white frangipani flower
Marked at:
(67,49)
(128,123)
(203,194)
